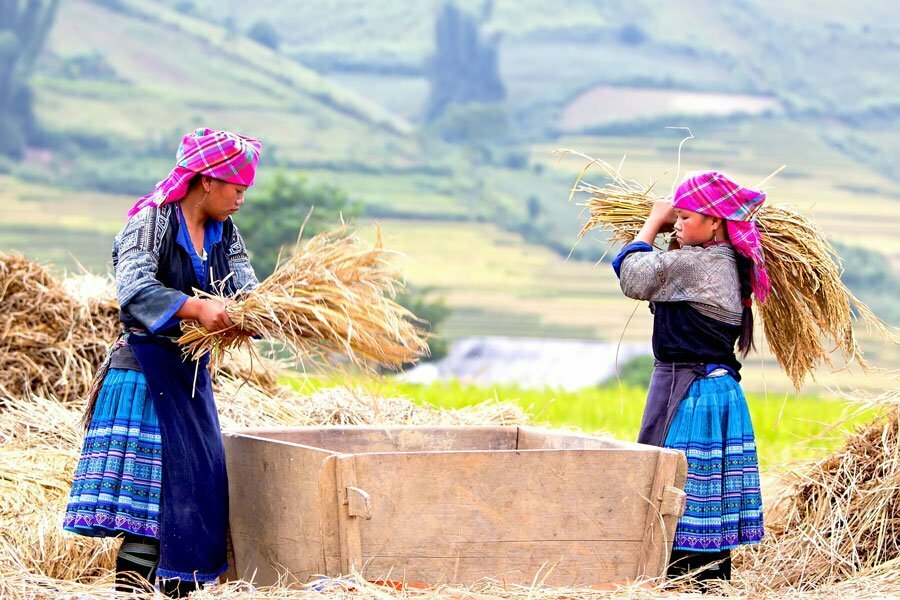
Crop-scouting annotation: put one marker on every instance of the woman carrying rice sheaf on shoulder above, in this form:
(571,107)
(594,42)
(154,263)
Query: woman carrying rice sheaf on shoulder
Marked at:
(700,295)
(152,469)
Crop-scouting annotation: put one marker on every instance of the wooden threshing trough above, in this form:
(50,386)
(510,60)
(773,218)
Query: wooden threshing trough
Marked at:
(450,504)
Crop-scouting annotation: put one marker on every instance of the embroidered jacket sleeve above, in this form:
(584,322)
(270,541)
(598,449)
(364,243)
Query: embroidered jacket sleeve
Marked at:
(136,252)
(706,278)
(244,276)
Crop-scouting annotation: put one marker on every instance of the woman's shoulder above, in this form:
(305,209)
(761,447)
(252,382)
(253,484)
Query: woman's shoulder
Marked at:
(144,230)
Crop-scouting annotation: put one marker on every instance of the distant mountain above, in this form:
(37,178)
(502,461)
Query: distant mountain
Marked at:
(130,71)
(815,56)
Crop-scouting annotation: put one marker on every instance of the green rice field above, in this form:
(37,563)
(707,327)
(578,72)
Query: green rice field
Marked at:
(788,428)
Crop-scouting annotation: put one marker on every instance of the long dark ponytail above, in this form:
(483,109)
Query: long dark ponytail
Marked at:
(745,342)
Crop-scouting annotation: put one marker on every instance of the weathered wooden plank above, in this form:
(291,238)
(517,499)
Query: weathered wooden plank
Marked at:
(427,504)
(534,438)
(274,508)
(351,546)
(329,509)
(656,545)
(671,516)
(559,563)
(356,439)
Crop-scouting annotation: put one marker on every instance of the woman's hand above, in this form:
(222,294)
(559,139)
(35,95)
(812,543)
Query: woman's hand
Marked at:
(212,315)
(663,215)
(660,220)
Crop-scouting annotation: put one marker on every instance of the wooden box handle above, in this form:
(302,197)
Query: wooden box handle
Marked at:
(674,502)
(359,503)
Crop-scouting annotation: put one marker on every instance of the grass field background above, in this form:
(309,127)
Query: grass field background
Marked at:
(787,427)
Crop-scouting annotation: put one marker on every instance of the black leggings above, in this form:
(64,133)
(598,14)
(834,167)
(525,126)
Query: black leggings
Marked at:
(136,569)
(684,561)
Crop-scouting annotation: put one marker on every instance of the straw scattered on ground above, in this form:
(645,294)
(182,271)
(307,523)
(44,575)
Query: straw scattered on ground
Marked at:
(834,530)
(809,312)
(243,405)
(332,295)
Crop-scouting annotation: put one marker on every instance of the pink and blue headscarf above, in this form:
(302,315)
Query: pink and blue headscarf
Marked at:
(218,154)
(715,194)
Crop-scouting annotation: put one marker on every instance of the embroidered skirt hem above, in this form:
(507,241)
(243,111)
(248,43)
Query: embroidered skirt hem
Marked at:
(118,479)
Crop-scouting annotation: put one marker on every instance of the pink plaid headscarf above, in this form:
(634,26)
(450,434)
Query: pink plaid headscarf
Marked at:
(219,154)
(713,193)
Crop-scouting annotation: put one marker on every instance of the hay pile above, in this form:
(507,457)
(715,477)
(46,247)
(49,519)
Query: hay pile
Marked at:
(839,519)
(247,368)
(52,339)
(809,311)
(333,295)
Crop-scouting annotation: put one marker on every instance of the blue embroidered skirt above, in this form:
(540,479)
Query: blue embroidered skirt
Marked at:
(724,505)
(118,478)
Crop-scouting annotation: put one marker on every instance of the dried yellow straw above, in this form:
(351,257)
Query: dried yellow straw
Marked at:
(839,517)
(332,295)
(53,334)
(809,311)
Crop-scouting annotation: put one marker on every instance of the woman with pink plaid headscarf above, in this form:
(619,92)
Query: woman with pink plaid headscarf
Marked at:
(700,293)
(152,469)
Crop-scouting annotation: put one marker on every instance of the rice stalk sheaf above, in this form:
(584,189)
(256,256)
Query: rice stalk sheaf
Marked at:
(333,295)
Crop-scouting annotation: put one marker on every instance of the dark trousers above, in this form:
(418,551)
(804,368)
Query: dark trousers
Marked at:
(704,565)
(136,569)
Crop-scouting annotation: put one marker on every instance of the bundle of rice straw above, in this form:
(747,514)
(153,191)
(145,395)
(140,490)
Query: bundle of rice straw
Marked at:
(333,295)
(808,303)
(51,340)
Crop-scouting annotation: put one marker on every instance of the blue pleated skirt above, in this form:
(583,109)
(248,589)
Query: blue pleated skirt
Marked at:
(118,479)
(724,504)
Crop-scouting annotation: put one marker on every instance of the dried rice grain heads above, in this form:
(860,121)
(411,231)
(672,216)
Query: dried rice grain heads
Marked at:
(333,295)
(809,312)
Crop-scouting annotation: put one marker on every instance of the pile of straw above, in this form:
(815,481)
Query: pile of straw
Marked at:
(52,339)
(809,311)
(839,519)
(247,368)
(333,295)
